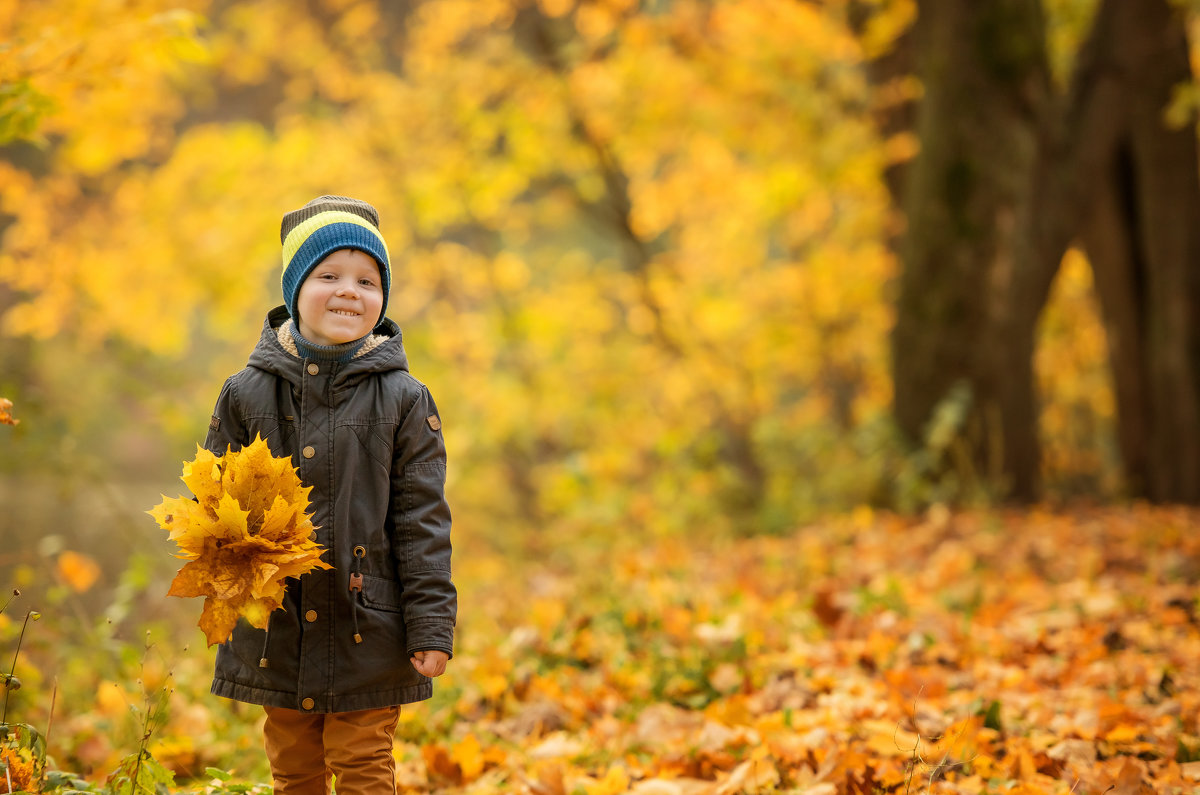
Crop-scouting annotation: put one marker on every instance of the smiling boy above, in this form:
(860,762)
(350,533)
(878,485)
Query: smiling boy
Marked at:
(341,300)
(328,385)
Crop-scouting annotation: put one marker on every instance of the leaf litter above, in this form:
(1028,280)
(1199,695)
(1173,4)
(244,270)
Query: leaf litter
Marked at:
(1031,652)
(1012,651)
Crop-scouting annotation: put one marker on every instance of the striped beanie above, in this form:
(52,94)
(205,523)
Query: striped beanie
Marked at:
(321,227)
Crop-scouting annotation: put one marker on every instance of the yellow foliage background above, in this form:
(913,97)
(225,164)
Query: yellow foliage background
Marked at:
(642,259)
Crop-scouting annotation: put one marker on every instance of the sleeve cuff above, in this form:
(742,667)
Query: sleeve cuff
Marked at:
(431,636)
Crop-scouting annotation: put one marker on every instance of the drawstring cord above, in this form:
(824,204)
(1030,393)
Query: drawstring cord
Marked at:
(263,662)
(356,580)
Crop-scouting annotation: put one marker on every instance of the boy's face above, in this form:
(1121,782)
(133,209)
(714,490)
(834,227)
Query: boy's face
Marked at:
(341,299)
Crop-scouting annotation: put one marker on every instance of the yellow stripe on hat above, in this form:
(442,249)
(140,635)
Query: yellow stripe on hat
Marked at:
(297,237)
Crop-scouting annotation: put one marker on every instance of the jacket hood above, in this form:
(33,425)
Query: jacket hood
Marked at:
(270,356)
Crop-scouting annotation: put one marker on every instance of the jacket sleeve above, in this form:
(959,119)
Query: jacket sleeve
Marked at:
(226,428)
(421,518)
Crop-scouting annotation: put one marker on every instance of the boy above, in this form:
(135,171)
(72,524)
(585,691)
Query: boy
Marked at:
(328,384)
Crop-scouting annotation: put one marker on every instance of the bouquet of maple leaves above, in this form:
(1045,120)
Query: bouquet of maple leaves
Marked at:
(247,531)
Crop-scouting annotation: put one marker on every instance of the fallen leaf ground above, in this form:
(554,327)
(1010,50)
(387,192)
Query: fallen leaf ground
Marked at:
(1023,652)
(1020,653)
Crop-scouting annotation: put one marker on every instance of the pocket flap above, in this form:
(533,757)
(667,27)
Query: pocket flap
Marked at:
(382,594)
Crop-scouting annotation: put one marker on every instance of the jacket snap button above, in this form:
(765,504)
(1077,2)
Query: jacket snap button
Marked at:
(309,452)
(313,369)
(308,703)
(310,616)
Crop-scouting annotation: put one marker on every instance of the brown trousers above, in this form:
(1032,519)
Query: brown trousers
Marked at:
(307,750)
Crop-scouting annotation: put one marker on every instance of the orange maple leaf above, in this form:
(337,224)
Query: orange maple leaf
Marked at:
(79,571)
(6,417)
(246,532)
(19,767)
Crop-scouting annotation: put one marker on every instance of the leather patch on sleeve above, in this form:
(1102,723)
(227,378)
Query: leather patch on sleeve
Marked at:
(214,424)
(434,422)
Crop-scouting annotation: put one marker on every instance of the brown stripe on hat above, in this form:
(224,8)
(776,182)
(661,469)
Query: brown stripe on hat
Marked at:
(322,204)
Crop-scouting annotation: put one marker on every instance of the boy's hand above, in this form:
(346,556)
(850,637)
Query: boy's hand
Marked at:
(431,663)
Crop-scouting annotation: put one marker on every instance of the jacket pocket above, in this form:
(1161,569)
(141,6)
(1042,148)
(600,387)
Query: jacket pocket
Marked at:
(279,433)
(375,440)
(381,594)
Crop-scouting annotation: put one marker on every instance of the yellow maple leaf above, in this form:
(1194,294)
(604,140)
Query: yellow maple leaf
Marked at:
(202,476)
(616,780)
(244,535)
(281,520)
(231,519)
(469,755)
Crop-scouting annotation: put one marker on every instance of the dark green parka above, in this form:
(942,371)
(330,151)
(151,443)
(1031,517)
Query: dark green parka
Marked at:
(367,437)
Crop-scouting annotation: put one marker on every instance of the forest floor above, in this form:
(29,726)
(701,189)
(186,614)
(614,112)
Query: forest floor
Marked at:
(1018,652)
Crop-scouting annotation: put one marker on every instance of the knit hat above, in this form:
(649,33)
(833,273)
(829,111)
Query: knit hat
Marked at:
(323,226)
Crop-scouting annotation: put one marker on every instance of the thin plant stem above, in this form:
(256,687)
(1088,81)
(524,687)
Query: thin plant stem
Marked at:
(15,594)
(13,671)
(46,739)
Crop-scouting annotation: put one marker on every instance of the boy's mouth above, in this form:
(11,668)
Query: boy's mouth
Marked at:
(344,312)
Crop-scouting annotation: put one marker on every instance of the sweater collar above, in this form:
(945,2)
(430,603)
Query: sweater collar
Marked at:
(321,353)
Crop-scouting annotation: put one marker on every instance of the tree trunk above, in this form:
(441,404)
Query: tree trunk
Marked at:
(974,273)
(1007,177)
(1142,235)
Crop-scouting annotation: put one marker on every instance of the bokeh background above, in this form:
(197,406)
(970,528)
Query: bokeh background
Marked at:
(644,254)
(649,257)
